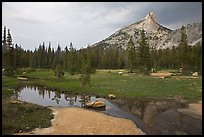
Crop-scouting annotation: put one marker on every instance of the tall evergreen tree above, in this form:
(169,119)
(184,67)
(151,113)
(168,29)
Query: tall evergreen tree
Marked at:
(4,47)
(131,54)
(73,60)
(49,56)
(9,61)
(86,70)
(144,53)
(183,51)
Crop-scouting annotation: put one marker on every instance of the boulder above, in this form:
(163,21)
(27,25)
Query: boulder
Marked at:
(120,73)
(96,104)
(16,102)
(22,78)
(111,96)
(99,103)
(195,74)
(89,104)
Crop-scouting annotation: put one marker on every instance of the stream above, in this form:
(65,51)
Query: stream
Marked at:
(153,116)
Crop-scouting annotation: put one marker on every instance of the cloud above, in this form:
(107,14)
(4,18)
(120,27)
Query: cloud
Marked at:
(85,23)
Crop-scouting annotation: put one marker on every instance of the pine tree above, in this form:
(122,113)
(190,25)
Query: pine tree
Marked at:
(73,60)
(4,48)
(183,51)
(49,56)
(86,70)
(59,73)
(131,54)
(9,61)
(57,56)
(144,53)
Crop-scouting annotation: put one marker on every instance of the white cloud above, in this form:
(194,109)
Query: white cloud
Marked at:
(82,23)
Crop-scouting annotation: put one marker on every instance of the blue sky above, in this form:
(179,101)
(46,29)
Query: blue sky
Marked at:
(85,23)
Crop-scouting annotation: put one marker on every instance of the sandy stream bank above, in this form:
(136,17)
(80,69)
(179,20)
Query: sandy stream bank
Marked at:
(72,121)
(79,121)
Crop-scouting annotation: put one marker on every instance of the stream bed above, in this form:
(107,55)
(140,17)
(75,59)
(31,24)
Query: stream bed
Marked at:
(153,116)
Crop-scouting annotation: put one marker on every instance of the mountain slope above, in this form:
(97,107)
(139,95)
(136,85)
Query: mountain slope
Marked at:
(158,36)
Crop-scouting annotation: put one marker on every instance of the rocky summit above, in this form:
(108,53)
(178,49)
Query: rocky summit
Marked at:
(159,37)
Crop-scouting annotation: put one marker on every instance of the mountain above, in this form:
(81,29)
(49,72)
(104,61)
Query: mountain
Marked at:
(158,36)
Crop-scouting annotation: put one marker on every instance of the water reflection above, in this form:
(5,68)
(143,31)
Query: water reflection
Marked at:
(161,116)
(49,97)
(153,116)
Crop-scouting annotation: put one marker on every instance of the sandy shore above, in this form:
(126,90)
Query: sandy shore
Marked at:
(72,121)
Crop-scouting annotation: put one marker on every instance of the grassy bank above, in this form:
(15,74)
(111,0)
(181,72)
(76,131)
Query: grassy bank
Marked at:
(133,85)
(10,82)
(20,116)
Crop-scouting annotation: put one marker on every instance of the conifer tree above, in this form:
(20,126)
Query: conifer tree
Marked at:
(9,61)
(183,51)
(131,54)
(4,48)
(144,53)
(86,70)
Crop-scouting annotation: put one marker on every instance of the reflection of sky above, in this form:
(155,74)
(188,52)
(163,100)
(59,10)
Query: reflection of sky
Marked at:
(42,97)
(159,120)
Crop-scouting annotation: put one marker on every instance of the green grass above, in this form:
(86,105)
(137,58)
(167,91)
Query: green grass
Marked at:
(25,116)
(7,93)
(133,85)
(10,82)
(28,116)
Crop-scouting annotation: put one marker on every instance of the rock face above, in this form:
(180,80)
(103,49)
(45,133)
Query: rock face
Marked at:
(159,37)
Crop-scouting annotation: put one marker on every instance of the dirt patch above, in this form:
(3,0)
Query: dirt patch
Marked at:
(161,74)
(72,121)
(194,110)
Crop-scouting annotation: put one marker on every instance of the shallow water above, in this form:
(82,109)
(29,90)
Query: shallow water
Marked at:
(150,115)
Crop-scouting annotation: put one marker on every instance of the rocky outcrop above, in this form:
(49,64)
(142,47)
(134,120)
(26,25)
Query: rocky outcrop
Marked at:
(159,37)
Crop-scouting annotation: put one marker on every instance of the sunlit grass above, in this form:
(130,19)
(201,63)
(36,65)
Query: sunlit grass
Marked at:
(104,82)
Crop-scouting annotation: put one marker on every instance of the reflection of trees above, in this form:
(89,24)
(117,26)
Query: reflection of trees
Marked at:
(70,98)
(57,97)
(135,106)
(49,93)
(84,100)
(23,86)
(41,91)
(143,104)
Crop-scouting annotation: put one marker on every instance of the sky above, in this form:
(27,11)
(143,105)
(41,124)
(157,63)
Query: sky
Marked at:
(86,23)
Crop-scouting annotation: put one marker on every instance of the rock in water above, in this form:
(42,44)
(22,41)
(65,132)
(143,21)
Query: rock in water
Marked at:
(99,104)
(89,104)
(96,104)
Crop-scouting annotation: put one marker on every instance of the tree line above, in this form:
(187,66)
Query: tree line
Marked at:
(102,56)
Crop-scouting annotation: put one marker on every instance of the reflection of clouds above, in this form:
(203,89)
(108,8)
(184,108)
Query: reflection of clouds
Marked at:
(44,96)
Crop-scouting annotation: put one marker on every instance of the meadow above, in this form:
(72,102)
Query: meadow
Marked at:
(127,84)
